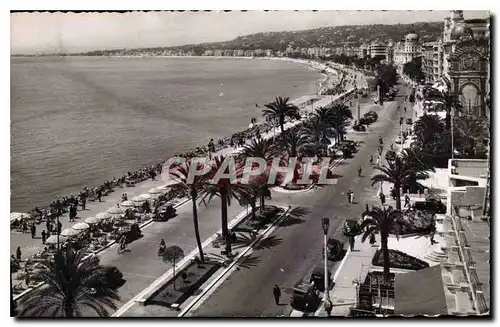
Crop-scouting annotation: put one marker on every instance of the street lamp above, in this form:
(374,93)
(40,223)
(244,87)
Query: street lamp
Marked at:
(325,223)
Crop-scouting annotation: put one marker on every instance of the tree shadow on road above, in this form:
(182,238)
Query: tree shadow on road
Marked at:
(244,240)
(248,262)
(294,216)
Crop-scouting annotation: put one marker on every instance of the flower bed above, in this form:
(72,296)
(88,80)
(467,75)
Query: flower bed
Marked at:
(187,281)
(415,222)
(400,260)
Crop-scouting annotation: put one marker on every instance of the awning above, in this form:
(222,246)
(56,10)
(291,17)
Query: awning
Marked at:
(420,293)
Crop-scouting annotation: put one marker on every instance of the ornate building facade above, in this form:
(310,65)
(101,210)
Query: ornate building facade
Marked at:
(405,51)
(466,60)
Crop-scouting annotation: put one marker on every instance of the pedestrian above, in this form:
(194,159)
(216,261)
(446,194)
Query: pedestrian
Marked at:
(84,201)
(33,230)
(349,196)
(407,200)
(277,294)
(25,227)
(392,192)
(44,236)
(382,198)
(328,308)
(99,195)
(18,253)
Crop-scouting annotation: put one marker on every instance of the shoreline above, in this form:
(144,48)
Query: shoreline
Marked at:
(325,78)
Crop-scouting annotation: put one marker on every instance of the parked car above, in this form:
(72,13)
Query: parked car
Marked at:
(335,249)
(409,121)
(350,227)
(359,128)
(305,297)
(318,277)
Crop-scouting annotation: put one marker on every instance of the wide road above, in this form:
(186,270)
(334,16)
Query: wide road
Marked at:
(248,292)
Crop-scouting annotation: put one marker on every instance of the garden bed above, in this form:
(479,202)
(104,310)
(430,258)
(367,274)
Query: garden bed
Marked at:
(415,222)
(399,260)
(187,281)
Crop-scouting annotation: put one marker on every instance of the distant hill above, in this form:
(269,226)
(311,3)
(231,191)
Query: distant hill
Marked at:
(328,37)
(355,35)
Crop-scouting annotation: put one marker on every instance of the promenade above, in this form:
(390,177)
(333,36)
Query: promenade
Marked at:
(141,266)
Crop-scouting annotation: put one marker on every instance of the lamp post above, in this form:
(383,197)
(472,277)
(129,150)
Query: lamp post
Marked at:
(325,223)
(58,232)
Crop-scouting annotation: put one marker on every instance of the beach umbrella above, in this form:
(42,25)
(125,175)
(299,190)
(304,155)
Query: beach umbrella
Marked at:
(116,211)
(127,204)
(92,220)
(142,198)
(68,232)
(53,239)
(155,191)
(138,199)
(105,215)
(18,216)
(80,226)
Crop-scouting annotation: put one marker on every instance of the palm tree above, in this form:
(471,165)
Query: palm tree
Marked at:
(71,283)
(427,128)
(180,173)
(279,110)
(313,134)
(266,150)
(341,118)
(399,172)
(224,189)
(291,141)
(383,221)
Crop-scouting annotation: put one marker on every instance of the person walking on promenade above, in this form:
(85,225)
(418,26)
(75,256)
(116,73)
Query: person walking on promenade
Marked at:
(99,195)
(328,308)
(18,253)
(84,201)
(382,198)
(25,227)
(59,227)
(33,230)
(276,294)
(407,200)
(349,196)
(44,236)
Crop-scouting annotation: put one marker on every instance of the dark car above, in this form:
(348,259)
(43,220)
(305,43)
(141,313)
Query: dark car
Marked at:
(318,278)
(305,297)
(409,121)
(350,227)
(335,249)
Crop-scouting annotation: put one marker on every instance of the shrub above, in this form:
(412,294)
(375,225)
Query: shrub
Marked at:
(399,260)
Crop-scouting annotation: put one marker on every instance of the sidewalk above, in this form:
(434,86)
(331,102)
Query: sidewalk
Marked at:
(353,268)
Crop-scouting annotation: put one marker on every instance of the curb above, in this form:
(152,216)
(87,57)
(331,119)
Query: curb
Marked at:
(230,267)
(339,268)
(107,246)
(165,278)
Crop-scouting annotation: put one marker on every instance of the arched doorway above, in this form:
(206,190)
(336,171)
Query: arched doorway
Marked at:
(470,99)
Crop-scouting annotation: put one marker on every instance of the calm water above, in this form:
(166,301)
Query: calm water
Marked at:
(78,122)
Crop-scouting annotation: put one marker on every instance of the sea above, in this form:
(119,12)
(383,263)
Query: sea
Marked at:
(80,121)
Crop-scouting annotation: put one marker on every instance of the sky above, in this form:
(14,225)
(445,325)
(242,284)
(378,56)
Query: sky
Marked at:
(78,32)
